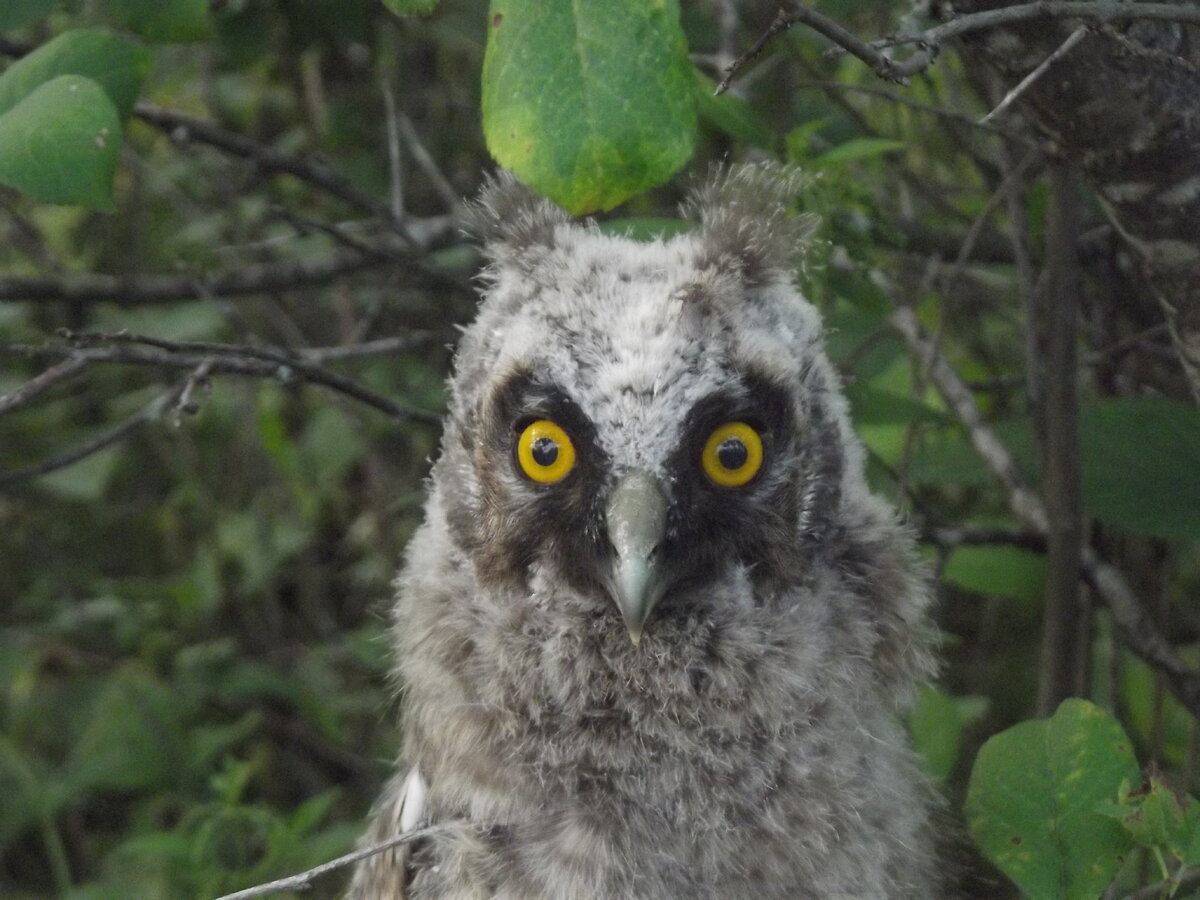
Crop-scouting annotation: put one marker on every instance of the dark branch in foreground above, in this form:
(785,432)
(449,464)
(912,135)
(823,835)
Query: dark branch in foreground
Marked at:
(1140,632)
(930,41)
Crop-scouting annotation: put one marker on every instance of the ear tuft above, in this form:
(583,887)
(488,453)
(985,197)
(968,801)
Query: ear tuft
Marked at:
(746,222)
(510,218)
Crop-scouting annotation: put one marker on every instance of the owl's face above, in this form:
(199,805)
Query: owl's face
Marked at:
(638,420)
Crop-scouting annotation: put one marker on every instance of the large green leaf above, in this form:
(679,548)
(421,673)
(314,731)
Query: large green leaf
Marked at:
(1033,799)
(19,13)
(589,103)
(165,21)
(60,144)
(116,64)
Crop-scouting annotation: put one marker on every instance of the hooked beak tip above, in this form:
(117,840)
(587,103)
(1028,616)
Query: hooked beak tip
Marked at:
(636,521)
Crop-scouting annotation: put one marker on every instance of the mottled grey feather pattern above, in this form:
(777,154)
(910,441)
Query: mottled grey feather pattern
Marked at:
(748,746)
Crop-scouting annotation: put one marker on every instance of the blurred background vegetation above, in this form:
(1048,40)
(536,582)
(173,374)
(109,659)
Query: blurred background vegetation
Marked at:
(194,690)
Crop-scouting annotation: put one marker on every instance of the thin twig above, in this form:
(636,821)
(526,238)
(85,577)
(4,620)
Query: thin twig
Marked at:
(1042,68)
(246,280)
(252,362)
(303,880)
(1046,9)
(1139,630)
(22,394)
(395,167)
(428,165)
(939,111)
(1175,886)
(182,129)
(780,23)
(997,197)
(118,432)
(930,40)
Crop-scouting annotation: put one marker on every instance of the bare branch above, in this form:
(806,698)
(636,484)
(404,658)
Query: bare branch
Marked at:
(245,280)
(1103,12)
(19,396)
(1042,68)
(221,359)
(118,432)
(183,129)
(939,111)
(931,40)
(1140,632)
(303,880)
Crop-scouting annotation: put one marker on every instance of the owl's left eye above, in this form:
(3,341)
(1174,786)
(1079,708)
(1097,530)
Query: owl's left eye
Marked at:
(732,455)
(545,452)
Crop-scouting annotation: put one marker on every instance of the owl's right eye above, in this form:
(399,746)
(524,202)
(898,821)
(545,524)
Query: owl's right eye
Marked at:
(544,452)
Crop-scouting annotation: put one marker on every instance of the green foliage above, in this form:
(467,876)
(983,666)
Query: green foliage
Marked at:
(1034,797)
(19,13)
(60,111)
(117,65)
(164,21)
(60,143)
(193,647)
(588,103)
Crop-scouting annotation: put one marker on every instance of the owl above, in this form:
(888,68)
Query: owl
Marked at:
(654,633)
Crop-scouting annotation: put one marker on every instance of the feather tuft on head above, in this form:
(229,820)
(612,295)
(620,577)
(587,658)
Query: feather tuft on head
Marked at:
(746,222)
(510,219)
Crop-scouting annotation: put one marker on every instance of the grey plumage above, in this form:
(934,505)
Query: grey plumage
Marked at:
(747,746)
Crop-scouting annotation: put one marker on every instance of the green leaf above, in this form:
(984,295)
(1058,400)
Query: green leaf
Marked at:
(162,21)
(19,13)
(134,737)
(997,571)
(1140,459)
(872,406)
(1154,817)
(410,7)
(60,144)
(937,722)
(1032,802)
(588,103)
(732,115)
(858,149)
(118,65)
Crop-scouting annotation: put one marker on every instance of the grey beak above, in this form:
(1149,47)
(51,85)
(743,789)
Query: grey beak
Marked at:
(637,518)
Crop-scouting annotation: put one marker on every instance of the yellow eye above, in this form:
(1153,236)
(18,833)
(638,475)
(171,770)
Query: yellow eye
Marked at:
(544,452)
(732,455)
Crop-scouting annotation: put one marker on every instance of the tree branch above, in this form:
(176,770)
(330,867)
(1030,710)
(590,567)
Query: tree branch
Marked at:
(1140,632)
(19,396)
(223,359)
(118,432)
(257,278)
(931,40)
(303,880)
(183,129)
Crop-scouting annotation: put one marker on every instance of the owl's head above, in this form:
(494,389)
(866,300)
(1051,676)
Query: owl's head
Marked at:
(637,420)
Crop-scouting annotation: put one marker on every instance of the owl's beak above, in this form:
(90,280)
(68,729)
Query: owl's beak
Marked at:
(637,518)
